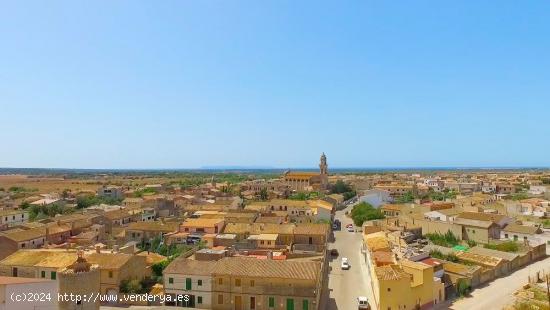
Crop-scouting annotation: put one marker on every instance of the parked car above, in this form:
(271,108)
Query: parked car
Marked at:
(334,252)
(363,303)
(345,264)
(350,229)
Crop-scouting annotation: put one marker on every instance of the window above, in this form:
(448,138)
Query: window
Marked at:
(220,299)
(290,304)
(252,283)
(506,236)
(171,280)
(53,275)
(199,299)
(252,303)
(14,272)
(220,281)
(237,282)
(389,289)
(42,274)
(199,282)
(188,283)
(271,302)
(110,273)
(305,304)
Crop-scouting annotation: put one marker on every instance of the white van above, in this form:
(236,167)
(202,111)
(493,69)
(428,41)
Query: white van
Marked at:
(363,303)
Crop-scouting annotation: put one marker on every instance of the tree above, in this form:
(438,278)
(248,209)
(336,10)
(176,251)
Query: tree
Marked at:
(65,193)
(91,200)
(340,187)
(406,198)
(264,194)
(365,212)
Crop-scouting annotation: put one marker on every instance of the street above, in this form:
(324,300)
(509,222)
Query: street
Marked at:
(346,285)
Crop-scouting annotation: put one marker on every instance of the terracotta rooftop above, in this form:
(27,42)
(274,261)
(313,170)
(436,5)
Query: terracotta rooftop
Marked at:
(259,228)
(267,268)
(311,229)
(109,260)
(201,222)
(154,226)
(190,267)
(478,216)
(479,258)
(390,272)
(493,253)
(472,222)
(521,229)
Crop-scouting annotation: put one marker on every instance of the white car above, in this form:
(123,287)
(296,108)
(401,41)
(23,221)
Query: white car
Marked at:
(351,229)
(345,264)
(363,303)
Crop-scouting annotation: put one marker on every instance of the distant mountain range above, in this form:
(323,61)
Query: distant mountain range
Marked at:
(258,169)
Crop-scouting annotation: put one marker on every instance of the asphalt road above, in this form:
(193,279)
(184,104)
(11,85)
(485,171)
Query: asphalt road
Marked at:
(346,285)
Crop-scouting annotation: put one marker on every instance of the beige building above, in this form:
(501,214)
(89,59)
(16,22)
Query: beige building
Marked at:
(116,267)
(12,286)
(249,283)
(308,181)
(192,278)
(12,217)
(399,284)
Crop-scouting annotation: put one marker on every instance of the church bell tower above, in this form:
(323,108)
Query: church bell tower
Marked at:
(323,167)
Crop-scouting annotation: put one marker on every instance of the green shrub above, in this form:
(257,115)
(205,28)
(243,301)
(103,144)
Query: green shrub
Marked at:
(365,212)
(508,246)
(446,240)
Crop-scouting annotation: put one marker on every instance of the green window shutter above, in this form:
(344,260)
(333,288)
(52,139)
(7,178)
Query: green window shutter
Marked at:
(290,304)
(272,301)
(305,305)
(188,283)
(54,275)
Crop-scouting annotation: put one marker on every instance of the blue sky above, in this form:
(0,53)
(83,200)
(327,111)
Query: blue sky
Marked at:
(185,84)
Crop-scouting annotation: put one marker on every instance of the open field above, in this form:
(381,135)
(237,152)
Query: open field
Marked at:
(46,184)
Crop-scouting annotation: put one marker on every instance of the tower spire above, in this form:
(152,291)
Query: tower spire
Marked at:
(323,167)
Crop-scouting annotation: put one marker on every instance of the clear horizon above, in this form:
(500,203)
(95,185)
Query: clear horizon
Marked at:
(141,85)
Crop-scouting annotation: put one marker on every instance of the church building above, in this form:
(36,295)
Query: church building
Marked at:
(308,181)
